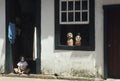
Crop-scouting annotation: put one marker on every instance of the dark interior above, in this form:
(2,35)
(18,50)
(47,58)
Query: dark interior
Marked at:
(25,10)
(75,29)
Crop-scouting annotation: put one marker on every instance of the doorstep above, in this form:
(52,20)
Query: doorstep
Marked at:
(30,76)
(44,76)
(110,79)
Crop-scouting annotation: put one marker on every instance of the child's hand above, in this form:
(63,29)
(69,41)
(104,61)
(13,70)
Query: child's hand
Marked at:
(22,72)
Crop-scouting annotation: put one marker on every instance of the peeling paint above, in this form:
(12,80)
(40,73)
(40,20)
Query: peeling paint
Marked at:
(46,71)
(2,69)
(82,73)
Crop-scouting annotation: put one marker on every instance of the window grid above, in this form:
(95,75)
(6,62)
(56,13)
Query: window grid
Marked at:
(88,9)
(67,11)
(74,11)
(81,10)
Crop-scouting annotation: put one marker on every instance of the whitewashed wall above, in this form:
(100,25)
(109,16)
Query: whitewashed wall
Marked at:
(99,38)
(109,2)
(75,63)
(72,63)
(2,35)
(69,63)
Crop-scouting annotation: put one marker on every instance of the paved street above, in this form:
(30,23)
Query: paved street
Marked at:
(112,80)
(34,79)
(26,79)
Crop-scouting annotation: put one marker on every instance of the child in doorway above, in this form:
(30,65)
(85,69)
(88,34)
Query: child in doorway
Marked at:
(22,66)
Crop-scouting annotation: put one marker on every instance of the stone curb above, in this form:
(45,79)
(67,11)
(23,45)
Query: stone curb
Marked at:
(41,76)
(79,78)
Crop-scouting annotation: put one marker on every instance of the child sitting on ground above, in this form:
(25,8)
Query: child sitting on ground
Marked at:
(22,66)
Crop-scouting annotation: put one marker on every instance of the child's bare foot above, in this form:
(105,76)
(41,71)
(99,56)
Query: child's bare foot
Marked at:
(20,73)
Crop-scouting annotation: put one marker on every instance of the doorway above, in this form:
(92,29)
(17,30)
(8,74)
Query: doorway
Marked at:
(112,39)
(27,13)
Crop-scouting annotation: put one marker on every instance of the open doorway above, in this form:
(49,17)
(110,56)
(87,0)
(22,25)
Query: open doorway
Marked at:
(27,13)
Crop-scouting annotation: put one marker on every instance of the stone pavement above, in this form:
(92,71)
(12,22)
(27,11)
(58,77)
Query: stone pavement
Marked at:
(34,79)
(3,78)
(26,79)
(112,80)
(40,77)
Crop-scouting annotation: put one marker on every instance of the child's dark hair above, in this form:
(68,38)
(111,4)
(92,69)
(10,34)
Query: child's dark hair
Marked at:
(22,57)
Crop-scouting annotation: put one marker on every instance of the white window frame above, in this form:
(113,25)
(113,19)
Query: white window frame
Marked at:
(74,22)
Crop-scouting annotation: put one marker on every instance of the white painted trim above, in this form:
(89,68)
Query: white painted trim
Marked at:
(83,22)
(74,22)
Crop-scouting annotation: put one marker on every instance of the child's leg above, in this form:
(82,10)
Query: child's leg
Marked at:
(16,70)
(27,71)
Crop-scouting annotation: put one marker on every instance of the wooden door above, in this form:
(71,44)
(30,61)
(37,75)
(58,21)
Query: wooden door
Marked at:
(113,40)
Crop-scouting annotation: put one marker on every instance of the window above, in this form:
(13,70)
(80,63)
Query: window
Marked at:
(76,17)
(74,11)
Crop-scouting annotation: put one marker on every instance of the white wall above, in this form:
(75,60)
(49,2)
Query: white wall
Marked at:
(2,35)
(107,2)
(75,63)
(99,54)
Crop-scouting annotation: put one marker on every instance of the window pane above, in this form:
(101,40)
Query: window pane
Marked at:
(77,16)
(70,5)
(77,5)
(70,16)
(64,5)
(84,5)
(64,17)
(84,16)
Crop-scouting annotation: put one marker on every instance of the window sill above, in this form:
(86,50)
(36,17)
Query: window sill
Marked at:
(81,48)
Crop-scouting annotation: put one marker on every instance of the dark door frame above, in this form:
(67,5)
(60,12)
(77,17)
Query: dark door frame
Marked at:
(105,7)
(8,60)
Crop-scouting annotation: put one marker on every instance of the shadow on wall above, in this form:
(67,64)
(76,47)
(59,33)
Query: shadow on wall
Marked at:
(2,55)
(82,54)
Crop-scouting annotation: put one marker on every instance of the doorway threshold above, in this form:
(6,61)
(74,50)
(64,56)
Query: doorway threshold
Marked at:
(41,76)
(111,79)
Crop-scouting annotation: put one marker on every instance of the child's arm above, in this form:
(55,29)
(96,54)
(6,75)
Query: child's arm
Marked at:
(19,70)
